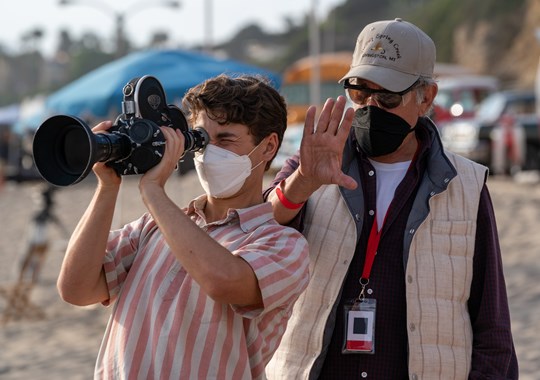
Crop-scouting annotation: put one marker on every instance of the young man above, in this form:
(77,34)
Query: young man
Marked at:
(204,291)
(407,278)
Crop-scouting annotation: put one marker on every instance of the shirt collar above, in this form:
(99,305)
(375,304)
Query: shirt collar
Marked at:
(247,218)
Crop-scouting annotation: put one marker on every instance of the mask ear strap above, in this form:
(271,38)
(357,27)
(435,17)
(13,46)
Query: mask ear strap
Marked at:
(256,166)
(253,150)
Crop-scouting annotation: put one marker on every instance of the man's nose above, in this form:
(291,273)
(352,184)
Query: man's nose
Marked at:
(371,101)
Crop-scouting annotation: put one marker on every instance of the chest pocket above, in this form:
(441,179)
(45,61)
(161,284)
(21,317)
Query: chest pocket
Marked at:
(453,238)
(190,300)
(172,283)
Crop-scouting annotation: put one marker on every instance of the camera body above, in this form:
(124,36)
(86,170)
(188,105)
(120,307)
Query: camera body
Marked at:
(144,111)
(65,149)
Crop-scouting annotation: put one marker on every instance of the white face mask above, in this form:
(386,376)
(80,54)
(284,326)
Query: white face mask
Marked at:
(221,172)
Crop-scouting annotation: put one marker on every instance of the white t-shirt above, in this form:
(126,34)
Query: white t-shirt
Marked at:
(389,176)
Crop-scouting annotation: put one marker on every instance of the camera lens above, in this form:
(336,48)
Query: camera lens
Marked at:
(65,149)
(73,151)
(195,139)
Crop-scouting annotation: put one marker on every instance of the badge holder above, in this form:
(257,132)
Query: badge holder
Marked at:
(359,331)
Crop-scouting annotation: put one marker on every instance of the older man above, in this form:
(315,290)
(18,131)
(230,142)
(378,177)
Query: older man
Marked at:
(407,279)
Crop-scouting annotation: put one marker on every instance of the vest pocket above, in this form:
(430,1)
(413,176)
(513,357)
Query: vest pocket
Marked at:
(454,238)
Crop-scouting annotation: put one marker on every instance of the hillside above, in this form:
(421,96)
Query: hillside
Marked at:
(505,47)
(494,37)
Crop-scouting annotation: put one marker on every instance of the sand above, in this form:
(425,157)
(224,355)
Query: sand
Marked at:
(64,344)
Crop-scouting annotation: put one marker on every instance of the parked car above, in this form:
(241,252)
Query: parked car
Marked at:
(289,146)
(459,96)
(504,133)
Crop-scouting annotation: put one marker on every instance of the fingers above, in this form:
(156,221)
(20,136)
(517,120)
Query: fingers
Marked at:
(309,125)
(337,115)
(174,150)
(324,118)
(332,115)
(346,182)
(346,123)
(106,175)
(174,143)
(103,126)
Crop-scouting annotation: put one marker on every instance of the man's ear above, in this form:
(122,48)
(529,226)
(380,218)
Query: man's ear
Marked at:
(271,146)
(430,91)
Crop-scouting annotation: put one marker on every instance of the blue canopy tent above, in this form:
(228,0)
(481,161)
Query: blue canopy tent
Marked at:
(98,94)
(9,115)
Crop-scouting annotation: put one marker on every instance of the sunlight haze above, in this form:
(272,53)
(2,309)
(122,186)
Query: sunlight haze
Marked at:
(186,26)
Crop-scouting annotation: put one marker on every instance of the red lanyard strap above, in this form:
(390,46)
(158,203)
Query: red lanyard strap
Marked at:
(371,251)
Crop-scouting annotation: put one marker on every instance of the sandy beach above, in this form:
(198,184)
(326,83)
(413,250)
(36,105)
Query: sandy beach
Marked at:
(64,344)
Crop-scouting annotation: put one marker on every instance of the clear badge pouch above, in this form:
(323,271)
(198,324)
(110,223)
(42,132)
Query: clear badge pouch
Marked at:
(359,334)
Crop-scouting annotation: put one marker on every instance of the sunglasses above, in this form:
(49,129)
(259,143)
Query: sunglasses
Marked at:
(359,94)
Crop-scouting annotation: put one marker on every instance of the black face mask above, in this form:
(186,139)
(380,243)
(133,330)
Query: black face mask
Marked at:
(379,132)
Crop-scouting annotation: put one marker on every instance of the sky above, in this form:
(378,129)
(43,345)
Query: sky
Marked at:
(186,26)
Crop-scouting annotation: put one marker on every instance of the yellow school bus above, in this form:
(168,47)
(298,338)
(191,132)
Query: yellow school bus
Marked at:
(295,86)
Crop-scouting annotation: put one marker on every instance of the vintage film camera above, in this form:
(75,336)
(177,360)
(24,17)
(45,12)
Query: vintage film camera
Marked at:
(65,149)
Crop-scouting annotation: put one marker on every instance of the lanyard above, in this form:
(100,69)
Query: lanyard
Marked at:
(371,251)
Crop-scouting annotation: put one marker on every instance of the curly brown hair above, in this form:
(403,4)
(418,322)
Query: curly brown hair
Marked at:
(246,99)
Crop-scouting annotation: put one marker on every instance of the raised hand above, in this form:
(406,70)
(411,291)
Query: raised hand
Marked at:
(322,144)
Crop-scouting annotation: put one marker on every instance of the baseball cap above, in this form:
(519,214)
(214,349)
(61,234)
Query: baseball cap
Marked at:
(393,54)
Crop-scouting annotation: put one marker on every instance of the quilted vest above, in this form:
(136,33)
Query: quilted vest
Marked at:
(438,252)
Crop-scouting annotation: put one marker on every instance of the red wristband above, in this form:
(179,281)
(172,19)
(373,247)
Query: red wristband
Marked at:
(284,201)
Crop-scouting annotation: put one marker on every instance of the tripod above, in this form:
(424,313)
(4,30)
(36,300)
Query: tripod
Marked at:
(18,295)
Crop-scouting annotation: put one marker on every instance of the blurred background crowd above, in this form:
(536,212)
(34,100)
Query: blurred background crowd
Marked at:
(488,56)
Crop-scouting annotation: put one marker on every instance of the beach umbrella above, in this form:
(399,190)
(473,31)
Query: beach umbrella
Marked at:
(98,94)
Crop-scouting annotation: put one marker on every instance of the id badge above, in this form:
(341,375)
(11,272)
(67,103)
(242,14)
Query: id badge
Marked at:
(359,335)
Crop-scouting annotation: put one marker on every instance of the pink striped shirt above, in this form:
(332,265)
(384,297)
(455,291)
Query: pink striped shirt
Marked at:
(163,326)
